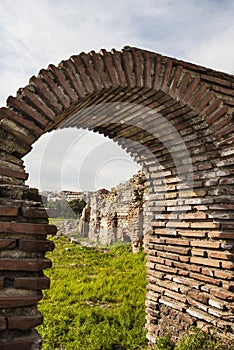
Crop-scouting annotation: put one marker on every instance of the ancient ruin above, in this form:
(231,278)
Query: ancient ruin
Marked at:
(110,216)
(176,120)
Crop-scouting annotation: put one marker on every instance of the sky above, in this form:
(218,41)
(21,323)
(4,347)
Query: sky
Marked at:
(35,33)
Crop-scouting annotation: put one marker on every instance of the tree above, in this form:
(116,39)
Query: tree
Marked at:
(77,205)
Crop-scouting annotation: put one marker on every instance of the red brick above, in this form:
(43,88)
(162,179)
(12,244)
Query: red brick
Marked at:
(165,268)
(193,311)
(176,241)
(155,288)
(228,265)
(8,211)
(205,244)
(176,296)
(189,267)
(176,78)
(178,250)
(221,235)
(207,225)
(14,173)
(221,255)
(27,110)
(25,322)
(194,216)
(192,233)
(168,255)
(46,94)
(208,272)
(165,82)
(3,325)
(28,228)
(71,74)
(35,283)
(63,82)
(183,85)
(204,261)
(204,278)
(24,264)
(187,281)
(36,245)
(184,258)
(198,252)
(32,212)
(212,107)
(7,243)
(40,105)
(222,294)
(217,304)
(156,274)
(197,295)
(50,80)
(16,301)
(172,303)
(216,115)
(22,121)
(155,259)
(224,274)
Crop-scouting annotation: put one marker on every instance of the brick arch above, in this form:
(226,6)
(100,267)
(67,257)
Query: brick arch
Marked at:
(189,242)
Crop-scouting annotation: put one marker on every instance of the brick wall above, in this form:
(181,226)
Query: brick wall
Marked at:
(176,120)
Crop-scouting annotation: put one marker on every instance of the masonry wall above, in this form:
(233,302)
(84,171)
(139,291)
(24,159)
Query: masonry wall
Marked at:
(176,120)
(116,215)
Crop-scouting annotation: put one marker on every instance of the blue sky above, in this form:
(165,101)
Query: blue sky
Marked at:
(34,34)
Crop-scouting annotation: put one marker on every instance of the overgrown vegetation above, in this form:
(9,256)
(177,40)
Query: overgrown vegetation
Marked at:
(197,339)
(96,300)
(64,209)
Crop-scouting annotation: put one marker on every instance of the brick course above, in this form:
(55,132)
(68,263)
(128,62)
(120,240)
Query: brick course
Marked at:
(188,231)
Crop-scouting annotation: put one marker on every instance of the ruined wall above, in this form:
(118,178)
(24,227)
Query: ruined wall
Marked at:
(116,215)
(176,120)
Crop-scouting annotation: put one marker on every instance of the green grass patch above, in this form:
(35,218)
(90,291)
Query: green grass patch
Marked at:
(96,300)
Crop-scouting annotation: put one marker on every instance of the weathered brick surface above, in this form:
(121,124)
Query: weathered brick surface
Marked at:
(24,264)
(8,211)
(189,238)
(16,301)
(27,228)
(27,341)
(32,283)
(35,245)
(25,322)
(3,324)
(32,212)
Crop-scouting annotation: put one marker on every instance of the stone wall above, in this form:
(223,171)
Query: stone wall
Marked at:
(176,120)
(115,215)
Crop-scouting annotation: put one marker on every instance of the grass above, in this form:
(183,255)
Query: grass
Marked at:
(96,299)
(97,302)
(198,339)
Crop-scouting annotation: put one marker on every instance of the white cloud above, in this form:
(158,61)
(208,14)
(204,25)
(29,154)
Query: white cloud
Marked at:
(34,34)
(74,159)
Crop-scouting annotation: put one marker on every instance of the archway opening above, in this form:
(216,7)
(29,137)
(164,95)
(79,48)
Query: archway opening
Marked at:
(76,298)
(183,140)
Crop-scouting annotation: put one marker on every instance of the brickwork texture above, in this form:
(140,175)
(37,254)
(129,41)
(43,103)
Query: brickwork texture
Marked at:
(176,120)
